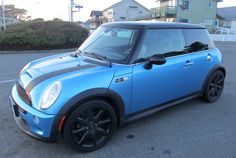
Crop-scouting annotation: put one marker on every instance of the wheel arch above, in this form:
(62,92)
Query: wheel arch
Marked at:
(214,69)
(222,69)
(105,94)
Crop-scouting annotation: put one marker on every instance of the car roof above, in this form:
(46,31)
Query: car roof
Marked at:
(154,24)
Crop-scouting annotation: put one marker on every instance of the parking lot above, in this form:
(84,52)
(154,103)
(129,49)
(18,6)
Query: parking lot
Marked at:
(188,130)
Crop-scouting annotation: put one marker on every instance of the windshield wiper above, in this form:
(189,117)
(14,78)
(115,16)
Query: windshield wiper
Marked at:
(100,57)
(77,52)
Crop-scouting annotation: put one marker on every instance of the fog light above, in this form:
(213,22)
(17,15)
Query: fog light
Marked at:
(36,120)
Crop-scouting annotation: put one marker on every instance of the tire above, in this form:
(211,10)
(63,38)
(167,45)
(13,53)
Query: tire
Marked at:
(214,87)
(90,126)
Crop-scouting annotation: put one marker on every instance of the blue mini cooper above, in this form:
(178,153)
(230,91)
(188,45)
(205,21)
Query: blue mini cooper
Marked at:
(122,72)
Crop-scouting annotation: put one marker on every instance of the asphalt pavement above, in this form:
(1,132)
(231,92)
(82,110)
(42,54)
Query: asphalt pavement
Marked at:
(193,129)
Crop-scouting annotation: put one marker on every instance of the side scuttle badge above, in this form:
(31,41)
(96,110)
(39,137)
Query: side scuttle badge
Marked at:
(118,80)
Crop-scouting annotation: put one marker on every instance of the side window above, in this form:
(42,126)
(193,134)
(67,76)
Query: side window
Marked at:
(197,40)
(169,42)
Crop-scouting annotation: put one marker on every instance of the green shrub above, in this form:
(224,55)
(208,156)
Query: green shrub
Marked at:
(39,35)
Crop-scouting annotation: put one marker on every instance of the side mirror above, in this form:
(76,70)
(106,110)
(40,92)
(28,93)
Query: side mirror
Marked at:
(156,60)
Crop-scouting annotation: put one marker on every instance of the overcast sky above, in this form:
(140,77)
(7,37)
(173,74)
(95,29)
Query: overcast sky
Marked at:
(49,9)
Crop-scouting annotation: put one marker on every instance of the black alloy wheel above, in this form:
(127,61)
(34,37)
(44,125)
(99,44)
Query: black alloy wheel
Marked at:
(214,87)
(90,126)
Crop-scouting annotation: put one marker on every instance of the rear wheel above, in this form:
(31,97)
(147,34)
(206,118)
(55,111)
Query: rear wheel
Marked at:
(90,126)
(214,87)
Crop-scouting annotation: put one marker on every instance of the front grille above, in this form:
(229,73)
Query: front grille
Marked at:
(22,93)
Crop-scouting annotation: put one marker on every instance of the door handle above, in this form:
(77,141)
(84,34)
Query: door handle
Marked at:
(188,63)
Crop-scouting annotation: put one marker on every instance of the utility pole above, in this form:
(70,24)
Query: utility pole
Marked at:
(71,10)
(3,16)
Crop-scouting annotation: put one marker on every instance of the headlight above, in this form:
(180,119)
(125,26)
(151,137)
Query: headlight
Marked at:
(50,95)
(25,67)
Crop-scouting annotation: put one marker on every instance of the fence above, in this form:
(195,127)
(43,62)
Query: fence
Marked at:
(223,37)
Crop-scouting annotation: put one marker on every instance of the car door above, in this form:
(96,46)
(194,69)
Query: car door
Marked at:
(199,50)
(165,82)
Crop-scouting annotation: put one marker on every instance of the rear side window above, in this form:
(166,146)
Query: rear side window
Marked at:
(168,42)
(197,40)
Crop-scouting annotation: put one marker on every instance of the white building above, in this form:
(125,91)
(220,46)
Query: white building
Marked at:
(125,10)
(8,21)
(227,18)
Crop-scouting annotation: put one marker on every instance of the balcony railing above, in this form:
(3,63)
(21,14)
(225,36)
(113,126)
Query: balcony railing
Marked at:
(168,11)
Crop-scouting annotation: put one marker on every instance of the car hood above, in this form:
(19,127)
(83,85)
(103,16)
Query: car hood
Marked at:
(56,65)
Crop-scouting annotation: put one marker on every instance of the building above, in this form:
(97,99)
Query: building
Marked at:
(226,18)
(125,10)
(86,24)
(8,20)
(96,19)
(189,11)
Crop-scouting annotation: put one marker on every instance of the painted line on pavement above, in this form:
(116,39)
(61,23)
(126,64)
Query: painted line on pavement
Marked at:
(7,81)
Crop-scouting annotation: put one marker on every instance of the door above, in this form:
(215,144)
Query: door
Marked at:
(166,82)
(200,50)
(132,12)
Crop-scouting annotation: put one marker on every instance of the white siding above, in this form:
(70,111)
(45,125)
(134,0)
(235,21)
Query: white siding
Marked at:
(233,25)
(109,14)
(8,21)
(224,38)
(126,10)
(168,3)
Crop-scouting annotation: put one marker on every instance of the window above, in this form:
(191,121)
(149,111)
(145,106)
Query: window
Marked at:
(184,20)
(169,42)
(226,23)
(211,4)
(197,40)
(113,42)
(217,23)
(134,7)
(184,4)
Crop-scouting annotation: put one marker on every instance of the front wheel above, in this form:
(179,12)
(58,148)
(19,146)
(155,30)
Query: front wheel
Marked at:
(214,87)
(90,126)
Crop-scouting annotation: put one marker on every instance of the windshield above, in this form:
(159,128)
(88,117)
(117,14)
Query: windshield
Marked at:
(111,42)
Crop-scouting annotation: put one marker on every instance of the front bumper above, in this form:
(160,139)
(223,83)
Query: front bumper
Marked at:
(33,122)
